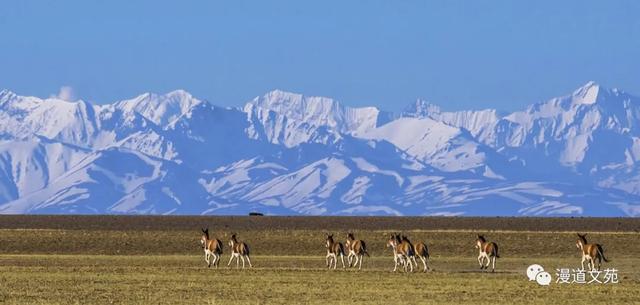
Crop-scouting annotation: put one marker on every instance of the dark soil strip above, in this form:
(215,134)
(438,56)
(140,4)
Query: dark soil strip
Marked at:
(151,223)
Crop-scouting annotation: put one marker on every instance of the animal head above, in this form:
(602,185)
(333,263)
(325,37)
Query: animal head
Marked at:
(392,242)
(350,239)
(233,240)
(479,241)
(204,237)
(329,240)
(582,240)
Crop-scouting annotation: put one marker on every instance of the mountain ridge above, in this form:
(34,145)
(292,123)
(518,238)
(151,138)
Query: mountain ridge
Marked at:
(287,153)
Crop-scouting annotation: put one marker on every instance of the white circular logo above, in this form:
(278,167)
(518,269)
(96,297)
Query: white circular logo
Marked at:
(543,278)
(533,270)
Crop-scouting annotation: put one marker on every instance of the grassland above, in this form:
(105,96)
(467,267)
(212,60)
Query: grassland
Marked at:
(158,260)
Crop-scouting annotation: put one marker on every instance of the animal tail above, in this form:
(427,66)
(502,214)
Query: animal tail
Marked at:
(364,249)
(497,255)
(601,252)
(426,252)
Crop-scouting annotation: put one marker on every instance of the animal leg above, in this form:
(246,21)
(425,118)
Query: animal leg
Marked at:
(230,260)
(341,258)
(404,263)
(249,260)
(361,258)
(424,263)
(395,262)
(216,260)
(410,264)
(242,257)
(493,267)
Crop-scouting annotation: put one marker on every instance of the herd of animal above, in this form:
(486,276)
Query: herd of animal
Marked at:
(405,253)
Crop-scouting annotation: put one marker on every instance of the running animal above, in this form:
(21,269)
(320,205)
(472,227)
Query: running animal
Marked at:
(239,250)
(212,248)
(357,249)
(488,251)
(590,252)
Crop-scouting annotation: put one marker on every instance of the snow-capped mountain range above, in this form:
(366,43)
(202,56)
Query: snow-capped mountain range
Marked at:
(285,153)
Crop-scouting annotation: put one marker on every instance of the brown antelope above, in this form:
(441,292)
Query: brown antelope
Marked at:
(239,250)
(590,252)
(357,249)
(334,249)
(402,252)
(212,248)
(488,250)
(422,252)
(397,257)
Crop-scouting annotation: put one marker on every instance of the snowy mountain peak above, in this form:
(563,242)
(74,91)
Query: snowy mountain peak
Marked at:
(5,93)
(593,93)
(587,94)
(180,94)
(475,121)
(57,100)
(420,109)
(292,104)
(174,97)
(319,111)
(6,96)
(160,109)
(287,153)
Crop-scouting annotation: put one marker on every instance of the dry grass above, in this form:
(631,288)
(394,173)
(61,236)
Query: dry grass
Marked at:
(168,279)
(132,265)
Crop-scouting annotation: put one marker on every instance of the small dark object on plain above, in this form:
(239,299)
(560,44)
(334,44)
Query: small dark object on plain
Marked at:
(255,214)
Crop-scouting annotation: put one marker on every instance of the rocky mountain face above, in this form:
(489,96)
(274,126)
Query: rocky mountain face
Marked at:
(285,153)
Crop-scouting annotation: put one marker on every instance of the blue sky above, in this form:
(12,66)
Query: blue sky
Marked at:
(458,54)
